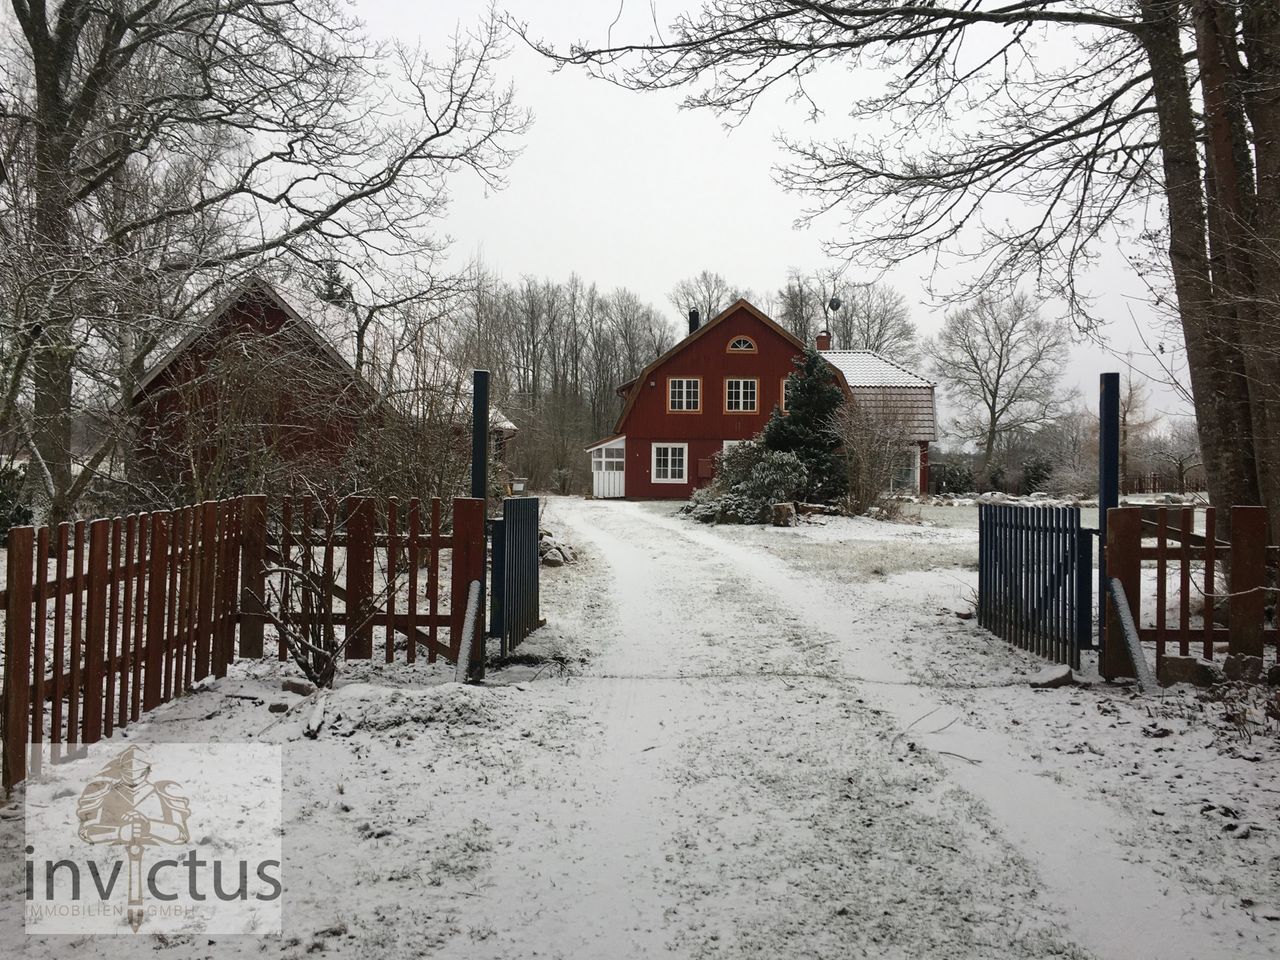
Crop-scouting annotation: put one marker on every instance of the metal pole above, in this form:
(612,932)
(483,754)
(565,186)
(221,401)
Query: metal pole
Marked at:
(480,434)
(1108,480)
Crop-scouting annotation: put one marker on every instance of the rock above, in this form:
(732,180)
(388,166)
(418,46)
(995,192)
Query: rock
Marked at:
(964,614)
(303,688)
(1273,675)
(278,707)
(553,558)
(1192,670)
(784,515)
(1050,678)
(1238,666)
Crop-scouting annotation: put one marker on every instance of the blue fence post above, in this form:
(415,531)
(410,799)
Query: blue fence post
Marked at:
(1108,480)
(498,581)
(1084,600)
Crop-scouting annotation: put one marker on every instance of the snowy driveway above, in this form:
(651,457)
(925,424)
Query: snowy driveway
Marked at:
(766,743)
(764,779)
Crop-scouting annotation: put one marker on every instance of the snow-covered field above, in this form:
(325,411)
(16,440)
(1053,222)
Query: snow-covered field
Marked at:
(748,742)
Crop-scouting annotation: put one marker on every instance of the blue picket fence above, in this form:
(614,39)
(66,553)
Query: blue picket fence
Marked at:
(1035,579)
(514,611)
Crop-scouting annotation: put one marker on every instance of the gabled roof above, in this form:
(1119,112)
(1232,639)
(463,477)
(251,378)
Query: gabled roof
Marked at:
(245,290)
(257,288)
(866,368)
(702,331)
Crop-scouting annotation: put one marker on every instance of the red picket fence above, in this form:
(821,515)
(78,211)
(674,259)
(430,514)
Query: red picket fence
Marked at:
(136,610)
(1205,573)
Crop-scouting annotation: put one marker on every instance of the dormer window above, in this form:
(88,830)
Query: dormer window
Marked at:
(742,345)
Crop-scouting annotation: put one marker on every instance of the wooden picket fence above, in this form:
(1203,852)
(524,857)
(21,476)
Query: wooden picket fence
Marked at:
(108,619)
(1207,573)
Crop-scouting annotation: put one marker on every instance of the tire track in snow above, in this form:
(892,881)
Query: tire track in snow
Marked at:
(1115,904)
(757,847)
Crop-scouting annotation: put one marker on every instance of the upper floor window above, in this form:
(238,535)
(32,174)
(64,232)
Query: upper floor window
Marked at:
(786,403)
(684,395)
(742,345)
(740,395)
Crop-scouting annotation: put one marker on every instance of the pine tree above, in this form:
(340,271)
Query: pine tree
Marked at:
(813,396)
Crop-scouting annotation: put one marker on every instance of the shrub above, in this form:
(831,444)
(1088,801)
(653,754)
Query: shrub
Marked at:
(952,477)
(1037,470)
(749,480)
(14,511)
(873,446)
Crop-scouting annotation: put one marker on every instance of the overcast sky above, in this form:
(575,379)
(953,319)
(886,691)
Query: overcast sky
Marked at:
(628,190)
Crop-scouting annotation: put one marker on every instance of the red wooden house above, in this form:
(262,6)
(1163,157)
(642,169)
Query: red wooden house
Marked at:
(257,395)
(718,386)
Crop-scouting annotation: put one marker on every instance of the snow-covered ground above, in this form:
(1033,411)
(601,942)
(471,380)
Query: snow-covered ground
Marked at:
(748,742)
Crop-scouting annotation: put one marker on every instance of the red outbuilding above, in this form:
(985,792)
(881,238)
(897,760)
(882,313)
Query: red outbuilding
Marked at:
(718,386)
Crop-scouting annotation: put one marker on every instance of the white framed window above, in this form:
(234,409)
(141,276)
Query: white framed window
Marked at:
(608,460)
(740,395)
(684,395)
(730,444)
(786,403)
(670,463)
(742,345)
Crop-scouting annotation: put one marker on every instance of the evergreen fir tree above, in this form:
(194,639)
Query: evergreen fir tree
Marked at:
(332,287)
(813,396)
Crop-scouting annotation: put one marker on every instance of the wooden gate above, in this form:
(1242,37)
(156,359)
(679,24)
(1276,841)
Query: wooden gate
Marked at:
(516,566)
(1197,576)
(1035,579)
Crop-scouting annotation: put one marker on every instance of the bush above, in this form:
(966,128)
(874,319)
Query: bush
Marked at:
(1037,470)
(749,480)
(952,477)
(873,447)
(14,512)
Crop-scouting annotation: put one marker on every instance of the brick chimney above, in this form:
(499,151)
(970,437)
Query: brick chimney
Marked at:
(824,340)
(693,321)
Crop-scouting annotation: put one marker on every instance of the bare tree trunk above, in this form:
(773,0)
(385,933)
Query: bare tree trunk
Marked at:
(53,360)
(1216,367)
(1261,103)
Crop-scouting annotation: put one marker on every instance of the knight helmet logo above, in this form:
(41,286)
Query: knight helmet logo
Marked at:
(123,807)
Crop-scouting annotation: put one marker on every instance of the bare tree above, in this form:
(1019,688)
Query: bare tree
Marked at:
(874,447)
(1000,362)
(1070,442)
(708,293)
(1135,421)
(296,137)
(1075,117)
(874,316)
(1179,448)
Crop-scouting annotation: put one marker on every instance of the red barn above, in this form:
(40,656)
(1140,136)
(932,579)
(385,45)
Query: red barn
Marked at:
(251,388)
(718,386)
(256,396)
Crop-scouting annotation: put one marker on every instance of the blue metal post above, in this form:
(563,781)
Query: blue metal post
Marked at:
(1108,479)
(480,434)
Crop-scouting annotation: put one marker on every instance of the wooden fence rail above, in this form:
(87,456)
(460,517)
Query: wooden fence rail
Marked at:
(1196,575)
(108,619)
